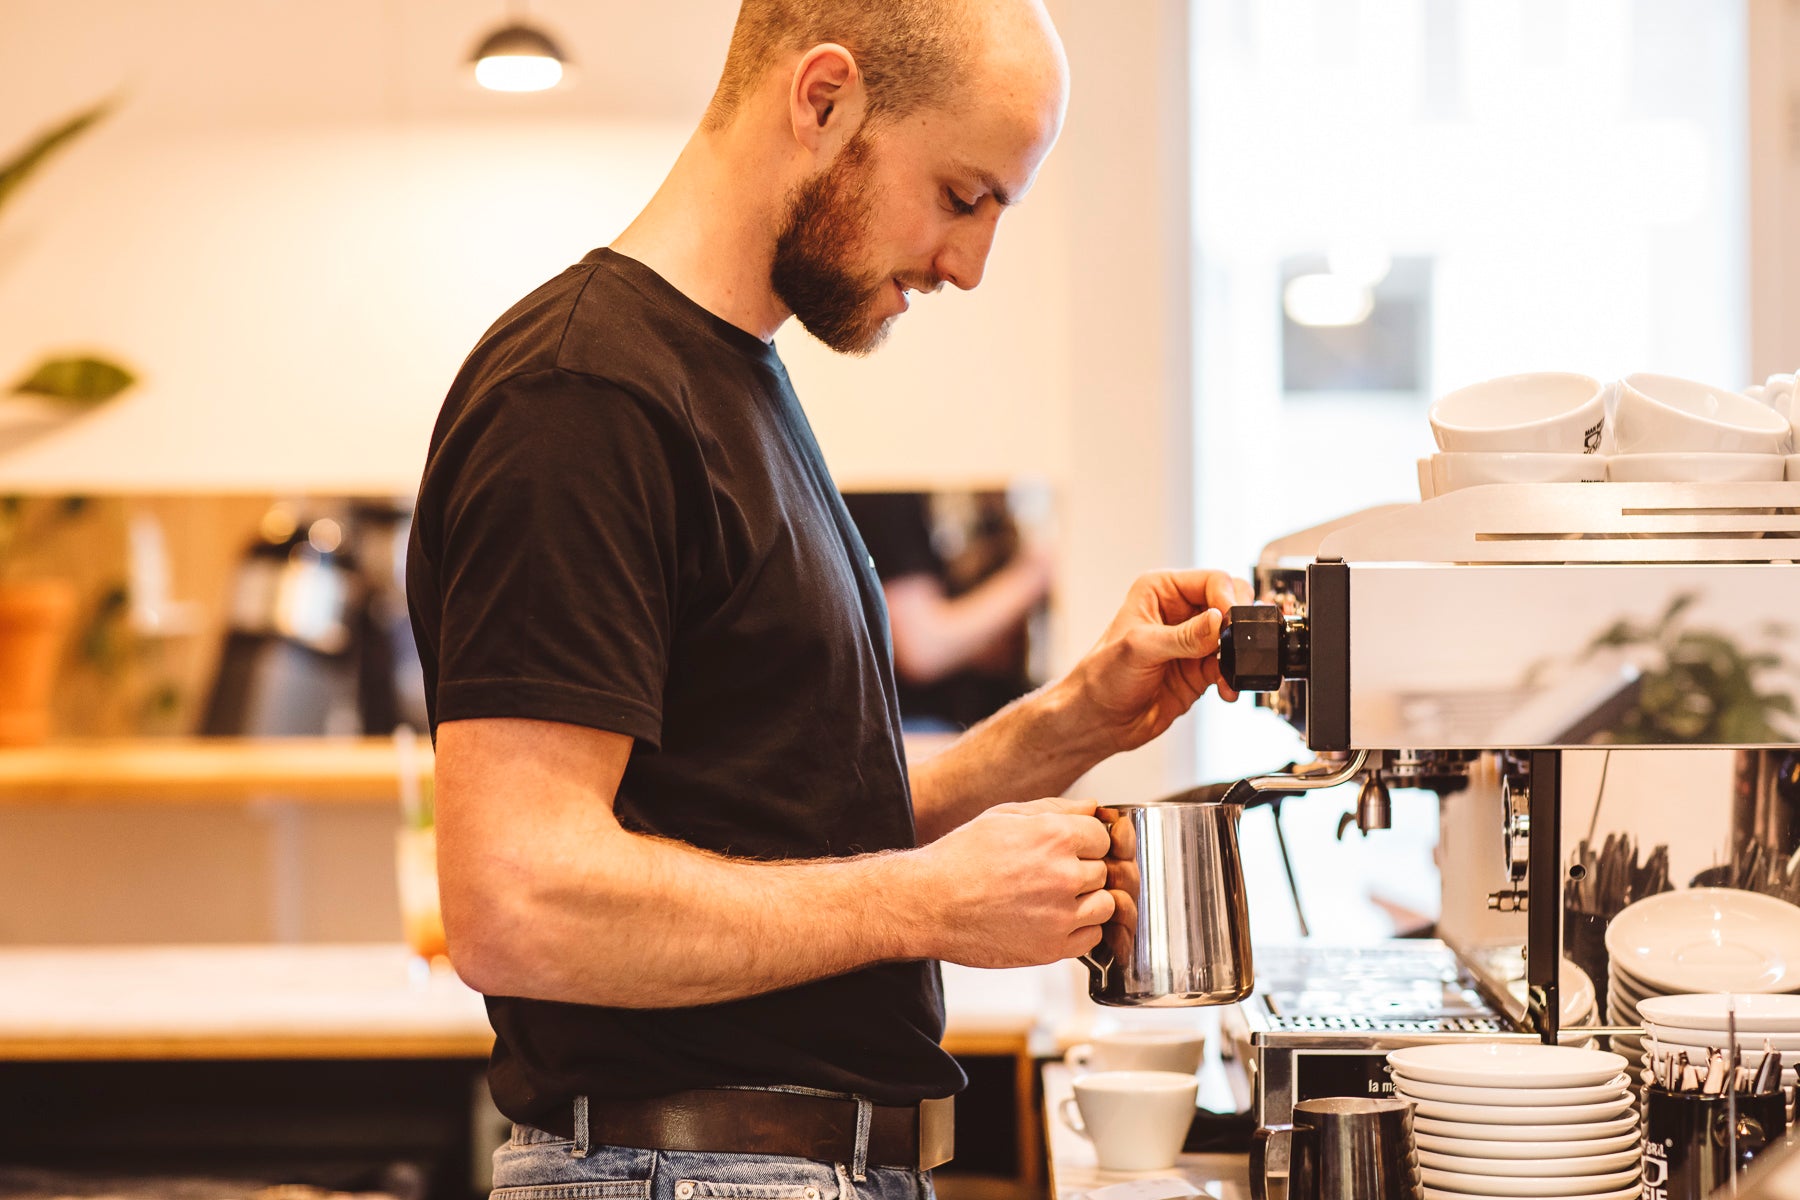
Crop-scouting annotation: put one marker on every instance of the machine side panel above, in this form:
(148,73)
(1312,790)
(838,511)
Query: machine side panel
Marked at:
(1517,657)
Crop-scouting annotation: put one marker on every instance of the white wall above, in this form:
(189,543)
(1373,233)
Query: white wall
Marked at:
(302,215)
(1774,97)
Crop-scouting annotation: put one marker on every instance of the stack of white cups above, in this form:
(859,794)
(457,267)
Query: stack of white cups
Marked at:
(1552,427)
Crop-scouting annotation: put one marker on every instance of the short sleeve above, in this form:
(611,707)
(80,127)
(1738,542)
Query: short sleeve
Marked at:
(896,528)
(556,556)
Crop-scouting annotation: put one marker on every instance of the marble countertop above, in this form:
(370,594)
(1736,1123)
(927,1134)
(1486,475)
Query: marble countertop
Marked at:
(271,995)
(363,1000)
(1073,1171)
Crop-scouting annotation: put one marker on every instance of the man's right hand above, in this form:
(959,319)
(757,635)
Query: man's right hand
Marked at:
(1020,885)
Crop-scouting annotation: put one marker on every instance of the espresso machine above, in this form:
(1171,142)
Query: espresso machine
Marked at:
(1463,645)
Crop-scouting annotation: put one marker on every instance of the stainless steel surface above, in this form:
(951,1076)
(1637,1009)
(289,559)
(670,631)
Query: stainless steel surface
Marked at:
(1344,1148)
(1469,639)
(1765,819)
(1323,773)
(1487,618)
(1181,935)
(1568,523)
(1516,657)
(1374,809)
(1323,1018)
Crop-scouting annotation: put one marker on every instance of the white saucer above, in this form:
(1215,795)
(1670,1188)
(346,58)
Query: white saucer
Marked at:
(1484,1148)
(1520,1168)
(1617,1003)
(1504,1064)
(1695,467)
(1625,1193)
(1551,1185)
(1575,1132)
(1777,1013)
(1618,985)
(1709,940)
(1784,1042)
(1414,1089)
(1522,1114)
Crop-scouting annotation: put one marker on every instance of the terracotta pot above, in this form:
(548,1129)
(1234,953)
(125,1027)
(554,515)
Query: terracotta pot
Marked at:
(35,617)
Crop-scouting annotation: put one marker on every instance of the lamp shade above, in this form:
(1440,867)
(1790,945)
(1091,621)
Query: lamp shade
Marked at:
(518,58)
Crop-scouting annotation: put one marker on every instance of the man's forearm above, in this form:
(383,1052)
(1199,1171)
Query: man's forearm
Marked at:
(680,926)
(1034,747)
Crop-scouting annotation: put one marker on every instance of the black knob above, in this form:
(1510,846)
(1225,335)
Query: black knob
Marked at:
(1260,648)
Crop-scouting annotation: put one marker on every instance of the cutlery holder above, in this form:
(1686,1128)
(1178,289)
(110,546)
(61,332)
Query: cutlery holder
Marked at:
(1688,1142)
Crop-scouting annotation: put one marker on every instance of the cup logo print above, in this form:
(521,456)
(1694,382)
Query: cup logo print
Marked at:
(1591,439)
(1656,1170)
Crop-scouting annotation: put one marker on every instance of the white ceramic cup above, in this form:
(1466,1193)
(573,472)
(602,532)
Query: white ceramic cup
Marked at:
(1662,414)
(1452,469)
(1175,1050)
(1427,489)
(1137,1120)
(1550,412)
(1778,392)
(1695,468)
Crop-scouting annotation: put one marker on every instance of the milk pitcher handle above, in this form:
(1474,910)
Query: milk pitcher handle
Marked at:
(1098,961)
(1259,1163)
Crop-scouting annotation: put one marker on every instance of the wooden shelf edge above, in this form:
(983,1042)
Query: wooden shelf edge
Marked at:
(146,1049)
(206,770)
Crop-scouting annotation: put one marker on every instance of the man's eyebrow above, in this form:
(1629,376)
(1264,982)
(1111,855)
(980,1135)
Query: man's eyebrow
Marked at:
(986,179)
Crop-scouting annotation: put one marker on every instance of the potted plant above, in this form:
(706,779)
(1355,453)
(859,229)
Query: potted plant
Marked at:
(36,614)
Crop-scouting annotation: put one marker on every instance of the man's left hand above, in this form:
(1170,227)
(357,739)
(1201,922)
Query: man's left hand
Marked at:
(1159,655)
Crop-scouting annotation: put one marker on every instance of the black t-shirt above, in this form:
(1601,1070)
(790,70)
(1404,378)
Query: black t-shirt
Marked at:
(896,527)
(625,523)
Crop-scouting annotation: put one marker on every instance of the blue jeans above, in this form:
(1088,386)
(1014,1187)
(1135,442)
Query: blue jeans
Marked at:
(536,1165)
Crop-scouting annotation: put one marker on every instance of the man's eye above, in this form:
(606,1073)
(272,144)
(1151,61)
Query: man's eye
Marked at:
(958,205)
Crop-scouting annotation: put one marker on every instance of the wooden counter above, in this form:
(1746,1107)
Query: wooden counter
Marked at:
(355,770)
(207,770)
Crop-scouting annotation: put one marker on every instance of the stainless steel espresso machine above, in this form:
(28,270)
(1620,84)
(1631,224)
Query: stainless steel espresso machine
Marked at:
(1462,645)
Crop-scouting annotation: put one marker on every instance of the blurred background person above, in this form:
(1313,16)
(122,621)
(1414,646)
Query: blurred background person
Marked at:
(964,589)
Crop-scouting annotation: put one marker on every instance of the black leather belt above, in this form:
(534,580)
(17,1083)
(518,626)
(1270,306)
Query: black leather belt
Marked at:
(790,1124)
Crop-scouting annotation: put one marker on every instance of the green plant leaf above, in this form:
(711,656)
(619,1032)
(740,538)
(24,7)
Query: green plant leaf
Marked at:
(21,166)
(78,381)
(1675,609)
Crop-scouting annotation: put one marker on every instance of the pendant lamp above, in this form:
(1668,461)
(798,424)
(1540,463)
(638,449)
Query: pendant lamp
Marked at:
(518,57)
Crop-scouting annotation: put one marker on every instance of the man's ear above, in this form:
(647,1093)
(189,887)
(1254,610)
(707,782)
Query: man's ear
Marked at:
(826,101)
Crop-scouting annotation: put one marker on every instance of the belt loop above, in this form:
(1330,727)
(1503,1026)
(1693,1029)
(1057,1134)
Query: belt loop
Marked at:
(865,1116)
(584,1132)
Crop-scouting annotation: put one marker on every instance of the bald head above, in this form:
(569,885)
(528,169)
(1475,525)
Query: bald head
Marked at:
(911,54)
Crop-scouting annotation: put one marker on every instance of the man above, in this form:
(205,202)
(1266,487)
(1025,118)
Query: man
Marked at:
(679,847)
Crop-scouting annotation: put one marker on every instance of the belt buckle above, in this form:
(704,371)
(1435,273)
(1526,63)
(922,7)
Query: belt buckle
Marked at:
(937,1132)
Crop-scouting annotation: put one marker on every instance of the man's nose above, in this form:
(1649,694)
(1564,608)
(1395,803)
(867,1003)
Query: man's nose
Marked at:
(963,260)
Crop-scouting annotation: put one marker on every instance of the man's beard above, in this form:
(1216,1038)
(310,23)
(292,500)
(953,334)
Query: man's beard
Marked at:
(827,223)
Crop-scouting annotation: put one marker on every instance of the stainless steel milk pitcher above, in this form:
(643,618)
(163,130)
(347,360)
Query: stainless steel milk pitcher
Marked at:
(1181,932)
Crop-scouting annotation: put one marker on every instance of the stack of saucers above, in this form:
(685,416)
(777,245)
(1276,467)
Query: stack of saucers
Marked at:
(1699,1024)
(1505,1119)
(1701,940)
